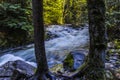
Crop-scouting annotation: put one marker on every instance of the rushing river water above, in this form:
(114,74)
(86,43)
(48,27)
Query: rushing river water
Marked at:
(68,39)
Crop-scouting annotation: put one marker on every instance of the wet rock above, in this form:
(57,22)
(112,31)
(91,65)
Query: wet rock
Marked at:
(56,68)
(74,60)
(117,73)
(109,65)
(113,64)
(112,61)
(6,70)
(9,69)
(109,75)
(113,74)
(50,35)
(29,70)
(111,45)
(114,57)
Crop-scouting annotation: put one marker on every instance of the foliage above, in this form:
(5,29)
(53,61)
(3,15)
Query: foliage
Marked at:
(75,12)
(117,43)
(15,24)
(53,11)
(13,16)
(65,12)
(113,19)
(112,13)
(17,14)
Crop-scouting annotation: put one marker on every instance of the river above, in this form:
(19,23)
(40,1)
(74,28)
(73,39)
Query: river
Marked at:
(68,39)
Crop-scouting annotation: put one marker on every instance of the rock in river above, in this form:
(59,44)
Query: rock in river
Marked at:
(74,59)
(9,70)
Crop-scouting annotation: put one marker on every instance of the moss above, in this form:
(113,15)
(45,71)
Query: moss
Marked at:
(68,62)
(56,68)
(46,36)
(117,43)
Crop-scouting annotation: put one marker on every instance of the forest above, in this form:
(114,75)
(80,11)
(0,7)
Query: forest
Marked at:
(59,40)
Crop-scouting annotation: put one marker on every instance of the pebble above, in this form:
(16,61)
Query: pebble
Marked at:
(109,65)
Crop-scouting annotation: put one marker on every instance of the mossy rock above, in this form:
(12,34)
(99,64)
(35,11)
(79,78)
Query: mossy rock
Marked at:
(68,62)
(74,60)
(56,68)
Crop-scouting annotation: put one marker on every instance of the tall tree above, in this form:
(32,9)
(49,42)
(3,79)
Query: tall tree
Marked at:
(93,68)
(98,38)
(42,67)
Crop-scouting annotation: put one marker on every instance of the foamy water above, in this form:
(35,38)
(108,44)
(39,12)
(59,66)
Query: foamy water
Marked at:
(68,39)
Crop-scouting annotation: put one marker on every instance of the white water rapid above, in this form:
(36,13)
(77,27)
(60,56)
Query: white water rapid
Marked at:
(68,39)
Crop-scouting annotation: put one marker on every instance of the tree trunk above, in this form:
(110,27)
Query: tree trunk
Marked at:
(94,67)
(97,30)
(42,67)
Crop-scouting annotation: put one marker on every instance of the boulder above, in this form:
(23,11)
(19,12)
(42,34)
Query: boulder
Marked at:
(74,60)
(49,35)
(15,69)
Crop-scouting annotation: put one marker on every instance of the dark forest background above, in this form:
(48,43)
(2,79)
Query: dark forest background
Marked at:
(16,27)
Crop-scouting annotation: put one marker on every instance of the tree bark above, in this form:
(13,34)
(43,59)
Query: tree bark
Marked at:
(93,68)
(98,39)
(42,67)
